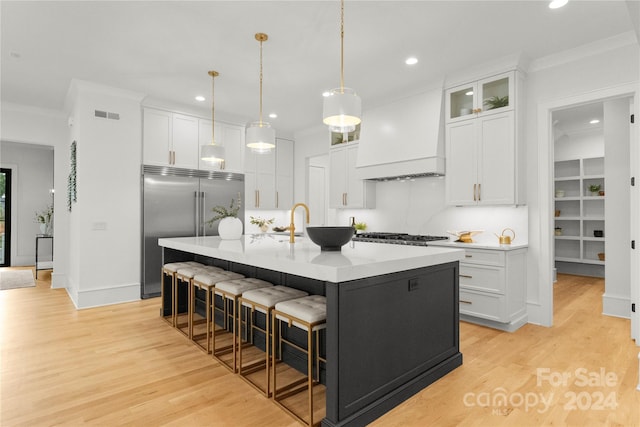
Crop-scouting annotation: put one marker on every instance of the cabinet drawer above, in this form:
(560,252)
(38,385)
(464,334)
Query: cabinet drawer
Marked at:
(486,257)
(483,278)
(482,305)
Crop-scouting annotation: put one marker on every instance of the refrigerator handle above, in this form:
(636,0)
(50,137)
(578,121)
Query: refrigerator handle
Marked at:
(196,219)
(202,206)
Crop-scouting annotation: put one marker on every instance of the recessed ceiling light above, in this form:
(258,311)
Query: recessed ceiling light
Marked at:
(594,121)
(555,4)
(411,61)
(273,115)
(469,93)
(200,98)
(325,94)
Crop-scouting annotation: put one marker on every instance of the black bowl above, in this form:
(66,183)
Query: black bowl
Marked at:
(330,238)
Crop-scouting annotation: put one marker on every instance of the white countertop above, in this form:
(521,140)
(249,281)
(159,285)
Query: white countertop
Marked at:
(357,260)
(492,246)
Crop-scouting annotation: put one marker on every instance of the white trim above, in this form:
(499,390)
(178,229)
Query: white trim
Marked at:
(616,306)
(545,185)
(58,280)
(88,298)
(596,48)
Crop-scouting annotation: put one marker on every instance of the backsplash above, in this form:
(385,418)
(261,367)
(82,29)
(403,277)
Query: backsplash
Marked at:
(418,207)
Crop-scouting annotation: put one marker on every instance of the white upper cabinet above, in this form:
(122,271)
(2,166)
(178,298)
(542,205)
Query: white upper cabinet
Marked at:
(169,139)
(268,181)
(185,141)
(345,189)
(492,95)
(231,137)
(484,158)
(284,174)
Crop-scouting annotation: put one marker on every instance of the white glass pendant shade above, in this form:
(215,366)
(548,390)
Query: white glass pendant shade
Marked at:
(342,110)
(260,137)
(212,153)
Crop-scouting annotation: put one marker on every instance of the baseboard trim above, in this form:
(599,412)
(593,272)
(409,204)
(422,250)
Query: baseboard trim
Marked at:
(58,280)
(616,306)
(507,327)
(108,296)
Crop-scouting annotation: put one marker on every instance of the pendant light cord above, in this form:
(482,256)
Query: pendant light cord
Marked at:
(341,46)
(213,75)
(261,83)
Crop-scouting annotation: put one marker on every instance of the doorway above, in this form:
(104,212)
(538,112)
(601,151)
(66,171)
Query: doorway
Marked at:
(5,217)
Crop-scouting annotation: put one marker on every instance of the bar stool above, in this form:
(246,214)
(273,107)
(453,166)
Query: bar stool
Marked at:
(309,314)
(261,300)
(230,291)
(170,270)
(184,276)
(206,281)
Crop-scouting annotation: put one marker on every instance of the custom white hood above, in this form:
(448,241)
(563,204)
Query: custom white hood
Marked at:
(403,139)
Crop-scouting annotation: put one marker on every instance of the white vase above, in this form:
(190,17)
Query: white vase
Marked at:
(43,228)
(230,228)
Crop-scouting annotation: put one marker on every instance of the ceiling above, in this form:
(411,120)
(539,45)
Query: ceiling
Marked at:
(163,49)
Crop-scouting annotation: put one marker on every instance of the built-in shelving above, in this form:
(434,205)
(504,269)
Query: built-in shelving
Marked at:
(579,213)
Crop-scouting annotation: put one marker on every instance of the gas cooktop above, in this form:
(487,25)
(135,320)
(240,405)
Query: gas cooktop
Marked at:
(397,238)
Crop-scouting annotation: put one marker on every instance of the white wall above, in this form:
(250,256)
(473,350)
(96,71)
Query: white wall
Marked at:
(32,171)
(105,222)
(25,124)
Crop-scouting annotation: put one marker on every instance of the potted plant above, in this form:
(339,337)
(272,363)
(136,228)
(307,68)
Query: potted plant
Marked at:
(360,226)
(558,231)
(497,102)
(229,227)
(594,188)
(44,218)
(262,223)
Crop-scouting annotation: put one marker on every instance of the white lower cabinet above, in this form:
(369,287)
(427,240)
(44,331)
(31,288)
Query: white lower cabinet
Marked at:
(493,288)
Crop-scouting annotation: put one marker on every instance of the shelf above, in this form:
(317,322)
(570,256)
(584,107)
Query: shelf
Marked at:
(567,237)
(567,178)
(564,259)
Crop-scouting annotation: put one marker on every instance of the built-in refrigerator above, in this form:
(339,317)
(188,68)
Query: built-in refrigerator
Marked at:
(177,203)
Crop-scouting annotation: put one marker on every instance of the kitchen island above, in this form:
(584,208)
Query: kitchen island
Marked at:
(392,311)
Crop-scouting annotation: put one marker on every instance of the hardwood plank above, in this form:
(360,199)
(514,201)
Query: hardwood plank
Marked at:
(123,365)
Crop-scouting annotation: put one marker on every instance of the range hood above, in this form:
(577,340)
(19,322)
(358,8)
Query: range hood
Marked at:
(403,139)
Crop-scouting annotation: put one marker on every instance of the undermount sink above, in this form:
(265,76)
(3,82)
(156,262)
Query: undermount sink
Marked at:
(330,238)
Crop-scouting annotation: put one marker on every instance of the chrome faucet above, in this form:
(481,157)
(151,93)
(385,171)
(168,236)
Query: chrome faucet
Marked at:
(292,227)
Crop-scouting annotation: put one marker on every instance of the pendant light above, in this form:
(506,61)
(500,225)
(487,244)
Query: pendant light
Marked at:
(342,109)
(212,152)
(260,136)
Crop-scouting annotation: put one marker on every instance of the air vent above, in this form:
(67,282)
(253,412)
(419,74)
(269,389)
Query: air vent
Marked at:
(107,115)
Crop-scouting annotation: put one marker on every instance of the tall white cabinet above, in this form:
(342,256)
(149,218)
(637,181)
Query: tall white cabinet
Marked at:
(484,160)
(269,177)
(345,190)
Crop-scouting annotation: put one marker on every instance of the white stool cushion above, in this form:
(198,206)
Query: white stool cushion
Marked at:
(211,278)
(174,266)
(189,272)
(270,296)
(310,309)
(194,264)
(239,286)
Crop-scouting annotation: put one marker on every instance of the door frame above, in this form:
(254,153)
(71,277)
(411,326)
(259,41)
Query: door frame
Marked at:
(545,192)
(8,214)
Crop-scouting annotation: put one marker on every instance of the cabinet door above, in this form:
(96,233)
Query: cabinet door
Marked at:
(337,177)
(261,193)
(233,143)
(460,102)
(156,137)
(185,141)
(204,138)
(355,187)
(462,164)
(496,94)
(496,174)
(284,174)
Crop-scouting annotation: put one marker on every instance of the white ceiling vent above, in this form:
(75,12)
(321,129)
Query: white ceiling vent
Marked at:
(107,115)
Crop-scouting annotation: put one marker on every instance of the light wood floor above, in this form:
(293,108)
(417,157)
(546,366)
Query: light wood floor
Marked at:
(123,365)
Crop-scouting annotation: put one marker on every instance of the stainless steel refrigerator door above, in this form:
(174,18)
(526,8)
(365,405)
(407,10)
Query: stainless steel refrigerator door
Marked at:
(169,210)
(219,192)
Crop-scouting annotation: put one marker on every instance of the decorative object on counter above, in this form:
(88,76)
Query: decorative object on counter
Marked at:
(598,233)
(601,256)
(262,223)
(44,218)
(497,102)
(559,193)
(212,152)
(342,107)
(360,226)
(260,136)
(331,238)
(72,195)
(279,229)
(557,213)
(558,231)
(506,239)
(230,226)
(465,236)
(594,189)
(601,193)
(292,226)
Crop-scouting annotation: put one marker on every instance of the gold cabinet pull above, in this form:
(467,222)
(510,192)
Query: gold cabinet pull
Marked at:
(474,192)
(468,256)
(465,302)
(479,192)
(466,276)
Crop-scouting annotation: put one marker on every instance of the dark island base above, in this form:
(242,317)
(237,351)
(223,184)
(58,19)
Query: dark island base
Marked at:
(387,337)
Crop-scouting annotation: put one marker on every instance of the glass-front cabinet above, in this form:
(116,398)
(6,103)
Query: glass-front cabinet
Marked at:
(487,96)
